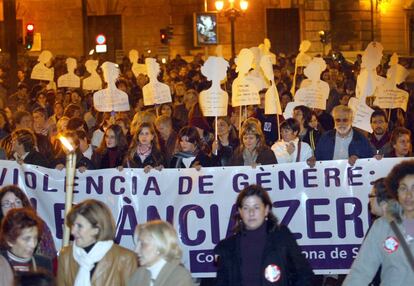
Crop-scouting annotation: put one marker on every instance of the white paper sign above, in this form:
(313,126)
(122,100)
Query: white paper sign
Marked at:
(288,113)
(391,98)
(41,70)
(136,68)
(69,79)
(244,89)
(155,92)
(272,101)
(362,114)
(111,98)
(214,101)
(92,82)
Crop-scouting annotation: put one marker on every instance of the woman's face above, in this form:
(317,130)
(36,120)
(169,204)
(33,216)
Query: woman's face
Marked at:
(298,115)
(288,134)
(75,97)
(166,110)
(187,146)
(313,123)
(10,201)
(26,242)
(403,145)
(84,233)
(222,127)
(145,137)
(253,212)
(110,138)
(250,141)
(146,249)
(406,195)
(41,99)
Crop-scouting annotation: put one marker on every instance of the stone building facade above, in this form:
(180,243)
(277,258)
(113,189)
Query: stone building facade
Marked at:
(136,24)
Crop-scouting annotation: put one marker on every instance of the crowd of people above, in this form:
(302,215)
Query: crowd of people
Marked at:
(177,135)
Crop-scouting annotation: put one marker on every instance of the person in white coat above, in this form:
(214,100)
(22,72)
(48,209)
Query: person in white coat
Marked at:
(290,149)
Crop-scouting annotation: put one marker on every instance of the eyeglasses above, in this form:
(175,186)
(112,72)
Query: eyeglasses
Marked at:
(404,190)
(8,204)
(339,120)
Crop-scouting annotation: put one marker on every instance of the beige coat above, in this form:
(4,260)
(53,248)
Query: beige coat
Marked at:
(6,277)
(172,274)
(115,268)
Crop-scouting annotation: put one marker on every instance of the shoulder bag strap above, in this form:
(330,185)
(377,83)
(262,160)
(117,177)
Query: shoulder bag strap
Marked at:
(403,243)
(298,155)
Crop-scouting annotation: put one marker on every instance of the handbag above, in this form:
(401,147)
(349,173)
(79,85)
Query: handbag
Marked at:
(403,243)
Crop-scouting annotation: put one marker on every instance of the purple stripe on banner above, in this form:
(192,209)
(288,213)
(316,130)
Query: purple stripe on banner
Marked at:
(202,261)
(331,256)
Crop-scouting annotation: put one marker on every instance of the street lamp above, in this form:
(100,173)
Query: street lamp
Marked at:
(232,13)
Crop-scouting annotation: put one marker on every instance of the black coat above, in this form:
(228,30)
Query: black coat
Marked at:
(201,159)
(265,157)
(280,249)
(36,158)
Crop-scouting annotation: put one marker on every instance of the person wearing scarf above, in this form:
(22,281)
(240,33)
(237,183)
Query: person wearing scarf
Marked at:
(253,149)
(144,151)
(94,259)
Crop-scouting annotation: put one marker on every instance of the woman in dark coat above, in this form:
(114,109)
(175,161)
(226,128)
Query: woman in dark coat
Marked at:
(253,149)
(261,252)
(190,153)
(144,151)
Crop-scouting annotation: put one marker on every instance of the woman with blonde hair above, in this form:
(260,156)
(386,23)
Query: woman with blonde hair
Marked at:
(253,149)
(93,258)
(159,255)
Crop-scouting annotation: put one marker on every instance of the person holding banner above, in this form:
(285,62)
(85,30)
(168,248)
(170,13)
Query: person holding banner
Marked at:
(390,241)
(144,151)
(190,153)
(19,234)
(253,149)
(226,143)
(261,252)
(93,258)
(159,253)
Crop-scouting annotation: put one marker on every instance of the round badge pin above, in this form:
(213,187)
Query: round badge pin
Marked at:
(391,244)
(272,273)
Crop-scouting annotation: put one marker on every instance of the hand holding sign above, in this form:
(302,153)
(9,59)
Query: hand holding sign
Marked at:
(214,101)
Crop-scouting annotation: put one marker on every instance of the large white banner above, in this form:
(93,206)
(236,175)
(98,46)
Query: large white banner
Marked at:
(326,207)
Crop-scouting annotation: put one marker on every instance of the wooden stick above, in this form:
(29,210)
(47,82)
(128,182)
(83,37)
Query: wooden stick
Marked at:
(70,178)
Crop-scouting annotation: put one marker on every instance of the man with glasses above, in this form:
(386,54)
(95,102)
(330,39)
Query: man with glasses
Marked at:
(344,141)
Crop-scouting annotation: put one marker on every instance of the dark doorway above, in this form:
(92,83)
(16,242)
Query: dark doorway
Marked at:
(283,30)
(111,27)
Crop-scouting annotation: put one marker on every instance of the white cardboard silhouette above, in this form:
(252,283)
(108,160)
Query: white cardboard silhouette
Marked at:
(288,113)
(70,79)
(155,92)
(219,51)
(111,98)
(136,68)
(367,83)
(244,90)
(302,60)
(389,95)
(92,82)
(41,70)
(214,101)
(256,73)
(272,102)
(265,47)
(313,92)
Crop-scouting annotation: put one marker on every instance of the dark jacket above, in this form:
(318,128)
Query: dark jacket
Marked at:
(359,146)
(280,249)
(154,159)
(102,161)
(225,153)
(201,159)
(265,157)
(81,161)
(36,158)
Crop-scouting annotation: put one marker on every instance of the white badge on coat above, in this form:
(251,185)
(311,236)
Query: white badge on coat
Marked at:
(272,273)
(391,244)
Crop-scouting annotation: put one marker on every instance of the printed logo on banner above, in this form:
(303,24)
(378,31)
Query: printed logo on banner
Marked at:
(267,126)
(391,244)
(272,273)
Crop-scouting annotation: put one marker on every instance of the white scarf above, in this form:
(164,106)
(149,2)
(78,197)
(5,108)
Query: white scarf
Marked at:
(87,261)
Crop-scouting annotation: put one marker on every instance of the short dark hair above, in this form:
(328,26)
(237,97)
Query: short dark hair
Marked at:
(75,122)
(18,116)
(40,110)
(398,172)
(290,123)
(15,221)
(306,113)
(192,135)
(260,192)
(379,112)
